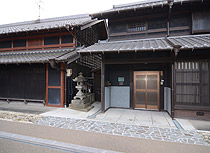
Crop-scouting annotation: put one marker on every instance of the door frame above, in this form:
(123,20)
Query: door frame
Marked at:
(145,106)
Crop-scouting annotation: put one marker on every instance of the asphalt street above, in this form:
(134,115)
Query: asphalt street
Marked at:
(101,141)
(9,146)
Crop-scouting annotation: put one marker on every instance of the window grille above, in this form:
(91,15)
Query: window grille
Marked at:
(192,83)
(137,27)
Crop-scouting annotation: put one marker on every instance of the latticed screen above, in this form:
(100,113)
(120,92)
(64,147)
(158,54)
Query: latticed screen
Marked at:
(192,83)
(137,27)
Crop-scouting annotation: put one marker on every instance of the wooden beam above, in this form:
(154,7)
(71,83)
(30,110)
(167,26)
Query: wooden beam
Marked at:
(140,60)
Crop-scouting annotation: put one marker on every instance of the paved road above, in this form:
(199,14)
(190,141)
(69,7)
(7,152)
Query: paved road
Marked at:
(102,141)
(8,146)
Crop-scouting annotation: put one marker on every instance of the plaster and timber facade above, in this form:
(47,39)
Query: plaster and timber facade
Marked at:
(156,57)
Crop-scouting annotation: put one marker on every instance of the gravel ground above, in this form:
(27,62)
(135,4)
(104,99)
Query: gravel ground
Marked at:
(19,117)
(206,136)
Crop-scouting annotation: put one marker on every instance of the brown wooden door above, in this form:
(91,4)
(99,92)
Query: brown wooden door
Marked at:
(146,89)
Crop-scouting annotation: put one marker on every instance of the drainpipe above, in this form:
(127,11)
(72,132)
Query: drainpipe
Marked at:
(170,3)
(174,55)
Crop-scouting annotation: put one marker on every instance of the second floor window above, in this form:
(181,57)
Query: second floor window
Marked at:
(51,40)
(66,39)
(6,44)
(137,27)
(19,43)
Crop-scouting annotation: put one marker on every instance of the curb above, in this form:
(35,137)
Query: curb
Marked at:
(61,146)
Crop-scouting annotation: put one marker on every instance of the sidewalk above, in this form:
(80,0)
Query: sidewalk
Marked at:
(116,115)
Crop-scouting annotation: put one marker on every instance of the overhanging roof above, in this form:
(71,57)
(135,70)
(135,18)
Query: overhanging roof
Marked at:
(46,24)
(139,5)
(41,56)
(152,44)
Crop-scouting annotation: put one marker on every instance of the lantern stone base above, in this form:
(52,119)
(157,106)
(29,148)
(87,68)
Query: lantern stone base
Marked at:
(81,105)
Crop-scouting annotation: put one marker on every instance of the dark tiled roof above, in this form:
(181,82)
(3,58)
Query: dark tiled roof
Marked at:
(153,44)
(41,56)
(191,41)
(139,5)
(51,23)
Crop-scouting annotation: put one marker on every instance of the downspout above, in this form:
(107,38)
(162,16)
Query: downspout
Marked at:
(170,4)
(176,49)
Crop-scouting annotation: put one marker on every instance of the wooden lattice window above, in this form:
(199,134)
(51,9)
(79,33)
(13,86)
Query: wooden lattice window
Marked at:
(137,27)
(192,83)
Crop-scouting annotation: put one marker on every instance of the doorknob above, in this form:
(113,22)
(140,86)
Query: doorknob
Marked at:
(161,82)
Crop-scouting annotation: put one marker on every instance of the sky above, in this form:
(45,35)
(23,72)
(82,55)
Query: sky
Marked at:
(12,11)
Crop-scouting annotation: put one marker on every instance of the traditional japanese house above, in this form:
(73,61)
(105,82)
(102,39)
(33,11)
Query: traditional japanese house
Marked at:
(157,57)
(34,56)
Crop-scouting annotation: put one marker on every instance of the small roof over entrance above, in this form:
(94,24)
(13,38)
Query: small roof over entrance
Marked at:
(40,56)
(152,44)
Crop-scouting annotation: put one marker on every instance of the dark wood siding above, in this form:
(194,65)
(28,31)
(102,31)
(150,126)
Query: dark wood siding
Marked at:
(201,21)
(22,81)
(156,22)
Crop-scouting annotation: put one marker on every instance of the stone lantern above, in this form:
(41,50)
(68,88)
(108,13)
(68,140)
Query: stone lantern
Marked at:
(82,101)
(80,85)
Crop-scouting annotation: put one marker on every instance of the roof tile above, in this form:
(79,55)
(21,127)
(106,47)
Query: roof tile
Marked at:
(186,42)
(41,56)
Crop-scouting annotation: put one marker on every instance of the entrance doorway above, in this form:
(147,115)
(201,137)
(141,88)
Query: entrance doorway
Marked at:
(146,89)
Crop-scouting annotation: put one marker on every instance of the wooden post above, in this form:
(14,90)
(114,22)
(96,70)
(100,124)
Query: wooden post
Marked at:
(172,90)
(131,88)
(46,100)
(62,84)
(102,85)
(172,83)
